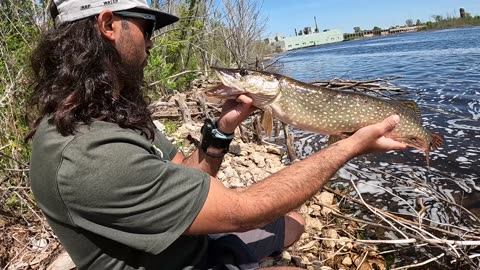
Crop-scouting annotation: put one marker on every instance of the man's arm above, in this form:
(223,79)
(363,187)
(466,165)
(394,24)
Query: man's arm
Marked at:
(233,114)
(229,210)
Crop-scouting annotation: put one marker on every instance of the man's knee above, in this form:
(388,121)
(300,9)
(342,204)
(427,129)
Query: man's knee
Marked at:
(294,228)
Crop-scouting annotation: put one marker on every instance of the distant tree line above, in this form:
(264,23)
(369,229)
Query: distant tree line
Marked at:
(439,22)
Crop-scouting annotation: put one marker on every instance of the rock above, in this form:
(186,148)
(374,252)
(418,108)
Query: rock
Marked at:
(332,234)
(315,210)
(260,149)
(286,256)
(267,263)
(347,261)
(39,244)
(325,197)
(235,149)
(345,241)
(221,175)
(273,162)
(258,159)
(230,172)
(317,264)
(235,183)
(360,263)
(305,210)
(308,246)
(297,260)
(329,257)
(259,174)
(62,262)
(242,170)
(315,207)
(274,150)
(181,133)
(313,223)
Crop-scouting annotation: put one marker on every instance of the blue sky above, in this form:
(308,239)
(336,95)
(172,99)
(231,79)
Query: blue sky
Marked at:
(286,15)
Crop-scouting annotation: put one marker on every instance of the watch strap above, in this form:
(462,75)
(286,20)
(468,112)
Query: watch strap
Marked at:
(212,137)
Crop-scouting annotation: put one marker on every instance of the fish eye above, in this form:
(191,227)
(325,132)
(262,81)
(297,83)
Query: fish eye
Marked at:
(244,72)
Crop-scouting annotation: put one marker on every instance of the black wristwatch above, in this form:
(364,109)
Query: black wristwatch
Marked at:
(213,137)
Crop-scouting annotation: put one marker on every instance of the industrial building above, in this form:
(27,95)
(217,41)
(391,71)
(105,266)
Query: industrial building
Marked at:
(306,39)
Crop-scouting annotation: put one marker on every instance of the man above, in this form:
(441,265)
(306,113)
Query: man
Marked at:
(116,193)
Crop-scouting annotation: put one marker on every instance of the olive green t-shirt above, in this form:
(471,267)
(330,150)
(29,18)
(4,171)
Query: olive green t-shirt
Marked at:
(115,200)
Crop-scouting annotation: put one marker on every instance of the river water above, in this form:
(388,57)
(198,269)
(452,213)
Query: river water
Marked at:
(441,70)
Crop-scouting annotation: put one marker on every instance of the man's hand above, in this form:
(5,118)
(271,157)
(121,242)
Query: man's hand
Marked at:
(234,112)
(373,138)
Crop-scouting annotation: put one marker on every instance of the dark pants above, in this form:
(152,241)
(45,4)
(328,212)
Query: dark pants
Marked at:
(242,251)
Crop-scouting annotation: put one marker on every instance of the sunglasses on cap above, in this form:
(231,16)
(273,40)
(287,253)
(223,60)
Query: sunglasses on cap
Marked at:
(147,31)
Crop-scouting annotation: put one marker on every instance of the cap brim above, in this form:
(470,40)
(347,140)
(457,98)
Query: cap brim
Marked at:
(162,19)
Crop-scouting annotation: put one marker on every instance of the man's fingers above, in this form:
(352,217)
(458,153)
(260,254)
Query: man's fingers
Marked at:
(390,123)
(245,99)
(392,144)
(248,102)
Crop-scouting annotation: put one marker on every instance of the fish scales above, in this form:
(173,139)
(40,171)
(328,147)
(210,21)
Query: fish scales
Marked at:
(334,112)
(323,110)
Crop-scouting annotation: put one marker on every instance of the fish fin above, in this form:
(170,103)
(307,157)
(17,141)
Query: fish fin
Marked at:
(427,155)
(267,121)
(411,106)
(436,142)
(338,137)
(333,139)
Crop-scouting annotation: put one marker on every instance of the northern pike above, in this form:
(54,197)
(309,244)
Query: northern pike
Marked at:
(323,110)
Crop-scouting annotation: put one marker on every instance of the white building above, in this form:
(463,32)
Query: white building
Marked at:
(302,41)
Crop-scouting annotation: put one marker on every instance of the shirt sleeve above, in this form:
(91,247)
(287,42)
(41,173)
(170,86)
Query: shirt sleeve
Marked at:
(163,143)
(115,186)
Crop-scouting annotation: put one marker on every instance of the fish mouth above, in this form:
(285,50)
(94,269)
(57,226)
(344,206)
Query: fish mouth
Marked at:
(422,146)
(222,91)
(227,76)
(228,88)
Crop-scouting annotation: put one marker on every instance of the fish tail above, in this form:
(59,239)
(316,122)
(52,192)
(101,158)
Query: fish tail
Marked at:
(427,155)
(436,141)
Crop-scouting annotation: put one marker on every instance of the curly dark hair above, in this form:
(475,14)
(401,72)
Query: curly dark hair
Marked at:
(79,77)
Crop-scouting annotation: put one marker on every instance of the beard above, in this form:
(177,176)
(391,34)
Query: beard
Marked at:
(133,75)
(133,62)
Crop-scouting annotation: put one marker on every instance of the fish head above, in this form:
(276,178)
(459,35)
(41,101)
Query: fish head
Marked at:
(419,142)
(423,140)
(260,86)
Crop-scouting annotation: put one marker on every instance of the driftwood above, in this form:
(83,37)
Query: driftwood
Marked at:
(183,107)
(292,155)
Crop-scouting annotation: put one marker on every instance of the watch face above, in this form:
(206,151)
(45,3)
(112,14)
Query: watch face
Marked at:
(213,137)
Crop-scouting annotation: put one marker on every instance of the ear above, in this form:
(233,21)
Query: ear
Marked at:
(108,25)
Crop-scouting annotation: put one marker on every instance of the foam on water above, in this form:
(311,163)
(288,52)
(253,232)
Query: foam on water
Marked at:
(441,70)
